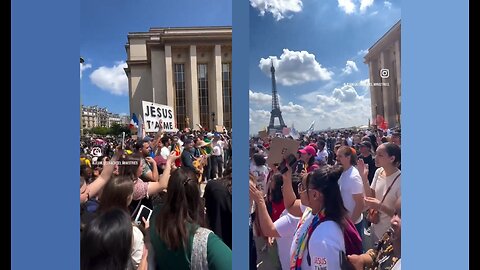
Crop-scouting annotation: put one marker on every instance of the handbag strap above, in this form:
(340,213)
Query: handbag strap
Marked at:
(390,187)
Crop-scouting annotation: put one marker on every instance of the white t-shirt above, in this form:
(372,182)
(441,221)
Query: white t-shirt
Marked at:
(350,183)
(350,141)
(285,226)
(164,152)
(137,246)
(323,155)
(324,246)
(261,174)
(218,148)
(380,184)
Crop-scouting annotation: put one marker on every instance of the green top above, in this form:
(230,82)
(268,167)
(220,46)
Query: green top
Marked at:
(208,149)
(219,255)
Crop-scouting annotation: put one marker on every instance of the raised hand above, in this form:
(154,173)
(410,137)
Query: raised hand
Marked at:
(362,169)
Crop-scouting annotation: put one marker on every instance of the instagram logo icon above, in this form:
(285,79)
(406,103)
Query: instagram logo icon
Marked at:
(384,73)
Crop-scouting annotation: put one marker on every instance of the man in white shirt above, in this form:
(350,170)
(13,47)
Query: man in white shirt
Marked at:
(165,151)
(217,156)
(322,154)
(351,186)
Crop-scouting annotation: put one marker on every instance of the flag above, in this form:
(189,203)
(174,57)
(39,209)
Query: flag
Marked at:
(294,133)
(140,130)
(310,129)
(381,123)
(133,122)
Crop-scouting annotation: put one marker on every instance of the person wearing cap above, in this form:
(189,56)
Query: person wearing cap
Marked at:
(351,186)
(187,155)
(207,172)
(367,158)
(201,153)
(307,156)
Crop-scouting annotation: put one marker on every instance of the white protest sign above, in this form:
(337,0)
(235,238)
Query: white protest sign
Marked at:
(153,113)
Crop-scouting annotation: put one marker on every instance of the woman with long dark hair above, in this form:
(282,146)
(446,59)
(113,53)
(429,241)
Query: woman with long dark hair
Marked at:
(118,193)
(179,239)
(385,188)
(318,240)
(106,243)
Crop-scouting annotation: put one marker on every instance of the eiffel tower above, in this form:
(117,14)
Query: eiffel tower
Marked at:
(275,113)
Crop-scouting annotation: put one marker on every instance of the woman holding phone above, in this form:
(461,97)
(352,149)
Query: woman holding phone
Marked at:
(318,239)
(118,193)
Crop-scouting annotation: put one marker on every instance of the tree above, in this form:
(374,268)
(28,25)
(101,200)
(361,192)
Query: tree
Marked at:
(117,129)
(100,130)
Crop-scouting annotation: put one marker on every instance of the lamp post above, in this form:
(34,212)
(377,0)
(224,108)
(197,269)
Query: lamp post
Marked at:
(213,120)
(81,124)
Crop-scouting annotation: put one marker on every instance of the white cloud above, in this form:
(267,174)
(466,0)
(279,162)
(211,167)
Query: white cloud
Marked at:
(295,67)
(374,13)
(364,4)
(258,120)
(345,93)
(343,108)
(387,4)
(280,9)
(362,52)
(365,86)
(347,5)
(83,67)
(350,66)
(293,108)
(112,79)
(257,98)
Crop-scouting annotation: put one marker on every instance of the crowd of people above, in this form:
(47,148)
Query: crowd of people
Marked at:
(185,178)
(335,203)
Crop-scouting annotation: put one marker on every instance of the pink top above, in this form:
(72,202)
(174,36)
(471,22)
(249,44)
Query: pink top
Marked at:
(140,189)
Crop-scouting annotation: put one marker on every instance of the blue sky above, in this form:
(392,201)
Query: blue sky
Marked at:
(318,48)
(104,28)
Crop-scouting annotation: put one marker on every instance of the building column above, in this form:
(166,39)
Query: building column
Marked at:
(399,80)
(373,93)
(217,97)
(388,104)
(193,108)
(169,76)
